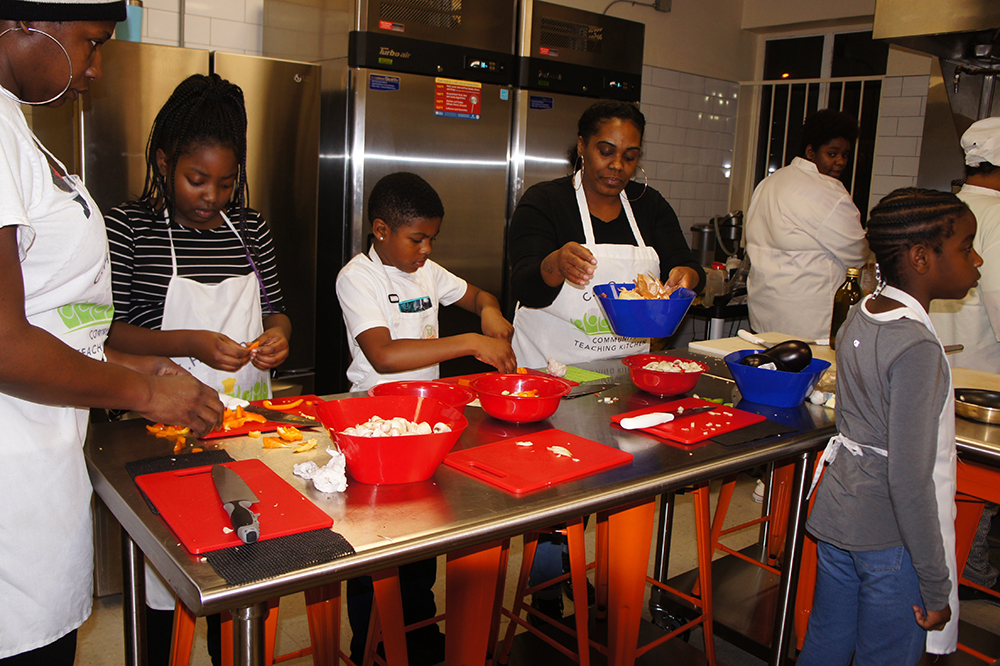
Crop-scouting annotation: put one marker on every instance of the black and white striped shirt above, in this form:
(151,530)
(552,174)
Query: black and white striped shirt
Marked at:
(141,266)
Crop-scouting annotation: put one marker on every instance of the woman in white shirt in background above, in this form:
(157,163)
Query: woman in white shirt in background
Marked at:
(803,231)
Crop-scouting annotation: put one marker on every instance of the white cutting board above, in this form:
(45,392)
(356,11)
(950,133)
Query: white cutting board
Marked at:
(724,346)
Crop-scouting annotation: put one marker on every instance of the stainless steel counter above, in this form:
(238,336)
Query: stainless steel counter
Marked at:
(391,525)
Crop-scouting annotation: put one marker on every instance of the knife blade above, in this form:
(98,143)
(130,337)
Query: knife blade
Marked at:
(653,419)
(588,388)
(278,416)
(236,499)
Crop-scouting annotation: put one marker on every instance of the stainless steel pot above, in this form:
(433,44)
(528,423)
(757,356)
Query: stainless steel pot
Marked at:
(978,405)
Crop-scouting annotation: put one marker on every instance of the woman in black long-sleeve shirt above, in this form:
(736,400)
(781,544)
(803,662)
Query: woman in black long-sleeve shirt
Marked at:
(571,233)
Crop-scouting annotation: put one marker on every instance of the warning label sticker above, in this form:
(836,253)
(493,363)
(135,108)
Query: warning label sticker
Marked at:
(457,99)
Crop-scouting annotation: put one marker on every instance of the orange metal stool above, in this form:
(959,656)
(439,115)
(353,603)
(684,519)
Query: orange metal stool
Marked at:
(473,592)
(611,569)
(578,575)
(976,484)
(322,610)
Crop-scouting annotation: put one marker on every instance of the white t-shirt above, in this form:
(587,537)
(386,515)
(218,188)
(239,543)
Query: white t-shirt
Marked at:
(374,295)
(46,553)
(974,321)
(803,231)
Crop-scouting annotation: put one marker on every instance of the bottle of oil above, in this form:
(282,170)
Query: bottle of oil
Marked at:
(847,295)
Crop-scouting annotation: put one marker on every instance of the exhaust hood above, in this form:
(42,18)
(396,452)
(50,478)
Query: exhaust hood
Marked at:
(963,31)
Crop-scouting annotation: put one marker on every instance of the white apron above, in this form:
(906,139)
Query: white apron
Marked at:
(573,328)
(231,307)
(46,555)
(413,315)
(944,477)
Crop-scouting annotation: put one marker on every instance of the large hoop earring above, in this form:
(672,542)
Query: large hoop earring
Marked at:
(645,185)
(579,161)
(69,60)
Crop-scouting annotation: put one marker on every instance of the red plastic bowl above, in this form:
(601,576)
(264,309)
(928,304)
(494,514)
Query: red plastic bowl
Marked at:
(402,459)
(661,383)
(450,394)
(518,409)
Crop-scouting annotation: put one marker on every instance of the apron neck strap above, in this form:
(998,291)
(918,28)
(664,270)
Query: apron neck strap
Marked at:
(588,222)
(913,308)
(246,252)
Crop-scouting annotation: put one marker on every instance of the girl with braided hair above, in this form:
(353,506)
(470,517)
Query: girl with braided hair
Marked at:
(886,585)
(193,267)
(193,271)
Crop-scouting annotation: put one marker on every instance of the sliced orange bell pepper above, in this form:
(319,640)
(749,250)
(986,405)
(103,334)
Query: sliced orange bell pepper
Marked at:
(251,416)
(273,443)
(289,433)
(288,405)
(253,345)
(522,371)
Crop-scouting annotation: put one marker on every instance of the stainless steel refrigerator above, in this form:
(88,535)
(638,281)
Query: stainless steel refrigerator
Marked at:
(103,138)
(422,87)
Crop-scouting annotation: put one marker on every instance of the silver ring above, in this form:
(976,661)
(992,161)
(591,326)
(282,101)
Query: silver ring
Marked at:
(68,60)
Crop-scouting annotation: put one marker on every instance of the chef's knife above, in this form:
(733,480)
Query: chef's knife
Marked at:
(236,500)
(653,419)
(273,415)
(278,416)
(588,388)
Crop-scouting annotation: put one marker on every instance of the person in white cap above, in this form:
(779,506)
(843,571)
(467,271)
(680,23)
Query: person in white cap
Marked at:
(974,321)
(55,278)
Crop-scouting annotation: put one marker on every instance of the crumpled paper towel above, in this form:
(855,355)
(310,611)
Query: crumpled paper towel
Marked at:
(330,478)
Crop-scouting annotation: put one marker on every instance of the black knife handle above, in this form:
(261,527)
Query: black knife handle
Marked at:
(244,521)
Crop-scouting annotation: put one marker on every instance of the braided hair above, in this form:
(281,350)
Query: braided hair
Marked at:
(202,111)
(906,217)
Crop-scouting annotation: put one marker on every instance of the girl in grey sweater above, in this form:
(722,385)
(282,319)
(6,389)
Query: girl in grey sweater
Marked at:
(884,512)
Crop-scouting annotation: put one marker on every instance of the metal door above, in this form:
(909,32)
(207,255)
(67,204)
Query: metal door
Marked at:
(464,158)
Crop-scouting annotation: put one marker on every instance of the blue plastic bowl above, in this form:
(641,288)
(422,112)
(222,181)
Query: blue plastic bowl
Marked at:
(774,387)
(643,318)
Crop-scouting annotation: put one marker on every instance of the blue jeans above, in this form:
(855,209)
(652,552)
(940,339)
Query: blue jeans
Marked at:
(864,606)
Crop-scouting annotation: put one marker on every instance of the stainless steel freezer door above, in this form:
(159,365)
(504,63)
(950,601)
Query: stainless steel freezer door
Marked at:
(282,99)
(119,109)
(464,159)
(545,128)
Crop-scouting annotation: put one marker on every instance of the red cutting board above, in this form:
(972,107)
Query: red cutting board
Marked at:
(522,469)
(306,408)
(696,428)
(466,380)
(188,501)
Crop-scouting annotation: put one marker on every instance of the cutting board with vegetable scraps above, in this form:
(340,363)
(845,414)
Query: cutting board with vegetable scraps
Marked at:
(530,462)
(698,428)
(188,501)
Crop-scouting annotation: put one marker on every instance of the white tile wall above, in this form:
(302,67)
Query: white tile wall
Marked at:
(689,140)
(900,128)
(234,26)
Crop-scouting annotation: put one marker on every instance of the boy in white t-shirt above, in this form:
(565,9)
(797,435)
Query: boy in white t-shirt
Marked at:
(390,296)
(390,299)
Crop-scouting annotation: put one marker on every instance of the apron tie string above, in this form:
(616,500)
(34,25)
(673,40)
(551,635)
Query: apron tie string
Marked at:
(830,454)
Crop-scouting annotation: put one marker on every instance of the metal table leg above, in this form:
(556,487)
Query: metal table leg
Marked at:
(133,602)
(664,534)
(248,635)
(716,328)
(784,626)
